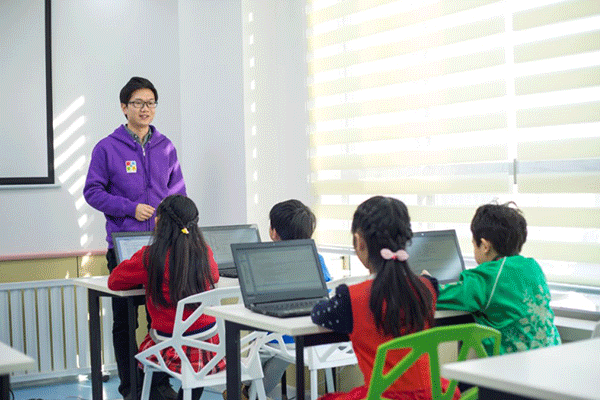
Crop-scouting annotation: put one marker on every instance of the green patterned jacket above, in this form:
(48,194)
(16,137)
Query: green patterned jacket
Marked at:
(509,294)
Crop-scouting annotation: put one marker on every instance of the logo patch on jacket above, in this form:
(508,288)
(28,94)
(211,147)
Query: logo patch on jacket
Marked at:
(131,167)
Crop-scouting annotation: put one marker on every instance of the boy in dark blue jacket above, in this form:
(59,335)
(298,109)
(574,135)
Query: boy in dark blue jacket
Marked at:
(290,220)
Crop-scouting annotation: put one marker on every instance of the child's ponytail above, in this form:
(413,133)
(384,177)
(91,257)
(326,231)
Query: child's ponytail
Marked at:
(400,301)
(178,238)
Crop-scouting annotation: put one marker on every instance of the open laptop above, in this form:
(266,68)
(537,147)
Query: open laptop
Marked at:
(281,279)
(437,252)
(127,243)
(220,239)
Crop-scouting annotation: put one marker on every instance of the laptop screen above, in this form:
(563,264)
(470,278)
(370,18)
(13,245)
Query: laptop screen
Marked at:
(276,271)
(127,243)
(437,252)
(220,239)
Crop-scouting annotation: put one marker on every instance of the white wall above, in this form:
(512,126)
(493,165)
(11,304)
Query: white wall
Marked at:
(212,111)
(197,54)
(97,45)
(277,166)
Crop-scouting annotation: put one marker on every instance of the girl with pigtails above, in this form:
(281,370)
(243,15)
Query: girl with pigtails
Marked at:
(393,302)
(177,264)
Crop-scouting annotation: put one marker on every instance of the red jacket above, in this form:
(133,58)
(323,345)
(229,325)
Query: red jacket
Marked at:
(131,273)
(366,338)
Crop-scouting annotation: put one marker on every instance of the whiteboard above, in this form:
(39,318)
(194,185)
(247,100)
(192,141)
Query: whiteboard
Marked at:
(26,134)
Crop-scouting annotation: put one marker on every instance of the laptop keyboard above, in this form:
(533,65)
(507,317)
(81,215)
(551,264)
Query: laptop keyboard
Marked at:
(228,273)
(288,308)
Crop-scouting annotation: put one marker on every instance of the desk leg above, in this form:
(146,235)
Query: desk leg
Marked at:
(5,387)
(95,343)
(234,368)
(299,367)
(133,376)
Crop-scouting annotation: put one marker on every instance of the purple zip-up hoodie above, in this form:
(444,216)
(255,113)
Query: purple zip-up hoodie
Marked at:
(122,175)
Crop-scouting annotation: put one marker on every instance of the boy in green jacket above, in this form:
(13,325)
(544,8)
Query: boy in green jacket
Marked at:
(506,290)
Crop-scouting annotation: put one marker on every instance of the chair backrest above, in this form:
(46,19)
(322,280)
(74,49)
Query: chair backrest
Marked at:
(273,344)
(329,355)
(209,298)
(315,357)
(206,299)
(427,342)
(201,301)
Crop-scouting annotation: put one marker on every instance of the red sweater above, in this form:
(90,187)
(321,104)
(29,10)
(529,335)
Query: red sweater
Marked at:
(366,338)
(131,273)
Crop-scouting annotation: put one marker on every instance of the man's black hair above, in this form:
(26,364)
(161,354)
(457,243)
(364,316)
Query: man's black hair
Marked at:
(134,84)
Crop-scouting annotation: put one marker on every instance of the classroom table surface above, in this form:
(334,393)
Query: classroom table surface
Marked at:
(100,283)
(294,326)
(569,371)
(12,360)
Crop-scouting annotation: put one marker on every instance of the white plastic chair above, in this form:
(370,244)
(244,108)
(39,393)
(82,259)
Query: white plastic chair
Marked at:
(251,367)
(325,356)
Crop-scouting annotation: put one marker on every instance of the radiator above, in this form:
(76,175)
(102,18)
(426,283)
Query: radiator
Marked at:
(48,321)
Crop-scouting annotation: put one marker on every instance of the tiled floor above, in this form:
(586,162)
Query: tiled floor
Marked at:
(82,391)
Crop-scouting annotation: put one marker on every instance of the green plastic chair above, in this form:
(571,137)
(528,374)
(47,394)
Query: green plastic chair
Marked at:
(427,342)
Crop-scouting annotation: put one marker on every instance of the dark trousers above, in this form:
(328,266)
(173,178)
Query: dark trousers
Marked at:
(120,333)
(463,387)
(196,393)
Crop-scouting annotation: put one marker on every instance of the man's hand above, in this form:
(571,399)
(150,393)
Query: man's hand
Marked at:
(143,212)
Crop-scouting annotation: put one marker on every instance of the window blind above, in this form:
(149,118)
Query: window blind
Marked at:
(448,105)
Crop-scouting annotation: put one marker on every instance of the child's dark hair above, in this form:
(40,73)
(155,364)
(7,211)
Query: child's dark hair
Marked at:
(502,225)
(384,223)
(134,84)
(189,268)
(291,219)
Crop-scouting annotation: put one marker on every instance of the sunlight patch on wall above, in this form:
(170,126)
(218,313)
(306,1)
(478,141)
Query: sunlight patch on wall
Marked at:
(70,110)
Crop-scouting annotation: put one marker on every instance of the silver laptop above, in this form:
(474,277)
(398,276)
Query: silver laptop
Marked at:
(281,279)
(437,252)
(220,239)
(126,244)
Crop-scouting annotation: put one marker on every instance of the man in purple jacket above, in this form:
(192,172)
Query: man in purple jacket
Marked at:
(131,171)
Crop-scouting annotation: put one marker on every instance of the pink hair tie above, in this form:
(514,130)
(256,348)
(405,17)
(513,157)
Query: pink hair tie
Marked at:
(400,255)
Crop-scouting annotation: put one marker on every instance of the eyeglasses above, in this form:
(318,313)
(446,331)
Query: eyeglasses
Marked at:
(140,103)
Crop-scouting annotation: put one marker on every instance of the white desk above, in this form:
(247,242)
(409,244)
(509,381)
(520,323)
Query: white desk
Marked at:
(304,331)
(567,372)
(11,360)
(98,287)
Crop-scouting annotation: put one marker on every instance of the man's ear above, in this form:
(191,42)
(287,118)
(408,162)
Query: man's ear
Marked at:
(124,108)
